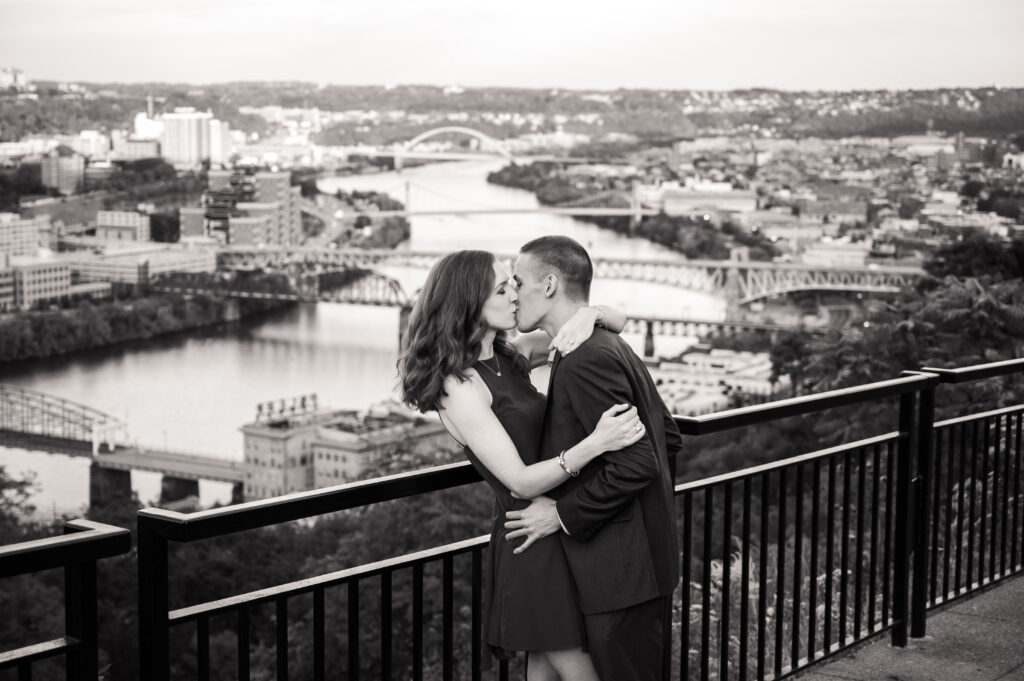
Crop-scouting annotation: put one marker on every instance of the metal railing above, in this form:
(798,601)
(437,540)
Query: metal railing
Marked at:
(971,509)
(784,564)
(77,552)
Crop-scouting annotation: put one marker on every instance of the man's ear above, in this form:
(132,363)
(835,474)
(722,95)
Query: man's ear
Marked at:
(550,285)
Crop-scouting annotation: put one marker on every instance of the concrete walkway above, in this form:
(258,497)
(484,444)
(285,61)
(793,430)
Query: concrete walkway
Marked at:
(978,639)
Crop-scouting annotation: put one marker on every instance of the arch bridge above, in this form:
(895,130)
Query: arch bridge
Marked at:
(737,281)
(34,413)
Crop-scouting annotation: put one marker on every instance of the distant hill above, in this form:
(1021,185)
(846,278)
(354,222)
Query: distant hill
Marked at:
(647,114)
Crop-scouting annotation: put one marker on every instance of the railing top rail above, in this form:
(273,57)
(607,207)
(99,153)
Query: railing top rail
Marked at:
(1016,409)
(978,371)
(738,476)
(86,541)
(760,413)
(187,527)
(331,578)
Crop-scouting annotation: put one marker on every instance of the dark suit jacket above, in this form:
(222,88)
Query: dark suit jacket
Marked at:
(619,512)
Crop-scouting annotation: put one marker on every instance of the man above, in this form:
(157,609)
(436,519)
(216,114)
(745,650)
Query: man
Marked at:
(616,517)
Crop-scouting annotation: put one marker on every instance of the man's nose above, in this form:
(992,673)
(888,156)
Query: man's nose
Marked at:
(513,295)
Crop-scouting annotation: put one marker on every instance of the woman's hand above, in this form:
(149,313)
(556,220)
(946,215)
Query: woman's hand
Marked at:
(575,331)
(619,427)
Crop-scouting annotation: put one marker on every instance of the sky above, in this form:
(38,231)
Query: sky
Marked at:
(577,44)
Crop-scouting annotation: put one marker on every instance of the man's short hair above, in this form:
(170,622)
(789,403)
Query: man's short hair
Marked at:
(569,260)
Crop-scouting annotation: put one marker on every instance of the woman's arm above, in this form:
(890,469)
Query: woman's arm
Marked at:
(536,345)
(466,408)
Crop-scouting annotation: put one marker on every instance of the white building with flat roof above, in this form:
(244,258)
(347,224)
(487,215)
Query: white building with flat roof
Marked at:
(118,225)
(20,236)
(137,265)
(39,279)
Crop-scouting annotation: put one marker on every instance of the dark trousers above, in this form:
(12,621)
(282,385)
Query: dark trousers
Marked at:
(632,644)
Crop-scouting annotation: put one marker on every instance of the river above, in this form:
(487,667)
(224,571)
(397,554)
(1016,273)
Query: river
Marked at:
(192,392)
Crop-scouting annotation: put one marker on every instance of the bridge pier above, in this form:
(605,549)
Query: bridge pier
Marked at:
(176,489)
(107,484)
(237,493)
(232,312)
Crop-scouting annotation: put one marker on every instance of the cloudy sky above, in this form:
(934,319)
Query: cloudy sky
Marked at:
(701,44)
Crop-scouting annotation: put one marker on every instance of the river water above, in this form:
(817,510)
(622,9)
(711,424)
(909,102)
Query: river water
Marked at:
(191,392)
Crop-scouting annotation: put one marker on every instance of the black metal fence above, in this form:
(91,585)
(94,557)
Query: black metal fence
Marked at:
(784,564)
(77,552)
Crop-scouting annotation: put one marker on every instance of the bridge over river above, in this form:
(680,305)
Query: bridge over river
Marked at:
(37,420)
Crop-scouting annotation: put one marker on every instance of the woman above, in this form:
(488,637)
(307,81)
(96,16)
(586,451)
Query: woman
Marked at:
(459,363)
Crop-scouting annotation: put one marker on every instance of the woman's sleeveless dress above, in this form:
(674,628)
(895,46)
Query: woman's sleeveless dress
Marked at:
(529,599)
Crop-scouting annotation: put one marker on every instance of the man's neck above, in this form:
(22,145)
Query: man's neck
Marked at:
(558,315)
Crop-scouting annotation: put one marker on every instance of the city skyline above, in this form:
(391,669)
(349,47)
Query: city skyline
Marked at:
(788,45)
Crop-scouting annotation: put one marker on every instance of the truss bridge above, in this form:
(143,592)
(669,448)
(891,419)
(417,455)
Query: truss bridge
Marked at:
(737,281)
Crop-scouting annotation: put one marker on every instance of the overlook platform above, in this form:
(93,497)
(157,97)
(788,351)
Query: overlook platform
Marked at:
(975,639)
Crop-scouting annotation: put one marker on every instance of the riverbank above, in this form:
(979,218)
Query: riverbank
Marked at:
(694,237)
(39,335)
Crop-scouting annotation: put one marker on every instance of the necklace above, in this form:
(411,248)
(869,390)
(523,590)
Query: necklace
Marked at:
(496,373)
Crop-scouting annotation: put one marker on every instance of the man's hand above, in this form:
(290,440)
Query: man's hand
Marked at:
(537,520)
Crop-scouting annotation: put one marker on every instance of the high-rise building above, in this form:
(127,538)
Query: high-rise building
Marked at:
(63,169)
(220,143)
(20,236)
(242,207)
(186,137)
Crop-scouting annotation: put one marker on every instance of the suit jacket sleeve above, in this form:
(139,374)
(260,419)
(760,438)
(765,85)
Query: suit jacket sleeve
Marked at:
(673,441)
(593,383)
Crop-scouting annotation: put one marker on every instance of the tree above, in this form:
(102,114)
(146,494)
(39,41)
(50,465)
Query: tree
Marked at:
(978,255)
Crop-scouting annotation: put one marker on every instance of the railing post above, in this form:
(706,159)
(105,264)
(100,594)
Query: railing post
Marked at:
(80,618)
(901,542)
(922,521)
(154,641)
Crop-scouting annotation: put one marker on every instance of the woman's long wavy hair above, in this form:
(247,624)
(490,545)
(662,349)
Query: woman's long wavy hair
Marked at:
(446,328)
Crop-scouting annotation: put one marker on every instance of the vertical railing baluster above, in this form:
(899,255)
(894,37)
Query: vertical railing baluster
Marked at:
(923,452)
(873,551)
(745,581)
(887,546)
(243,643)
(951,485)
(812,576)
(687,558)
(983,540)
(281,622)
(476,622)
(830,526)
(503,670)
(936,520)
(25,671)
(762,591)
(417,622)
(961,492)
(154,639)
(319,661)
(844,553)
(80,618)
(1004,519)
(798,559)
(705,589)
(447,618)
(971,517)
(902,542)
(858,577)
(1016,558)
(723,635)
(353,630)
(203,648)
(386,638)
(780,574)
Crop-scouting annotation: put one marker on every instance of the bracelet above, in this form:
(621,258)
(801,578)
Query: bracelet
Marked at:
(565,467)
